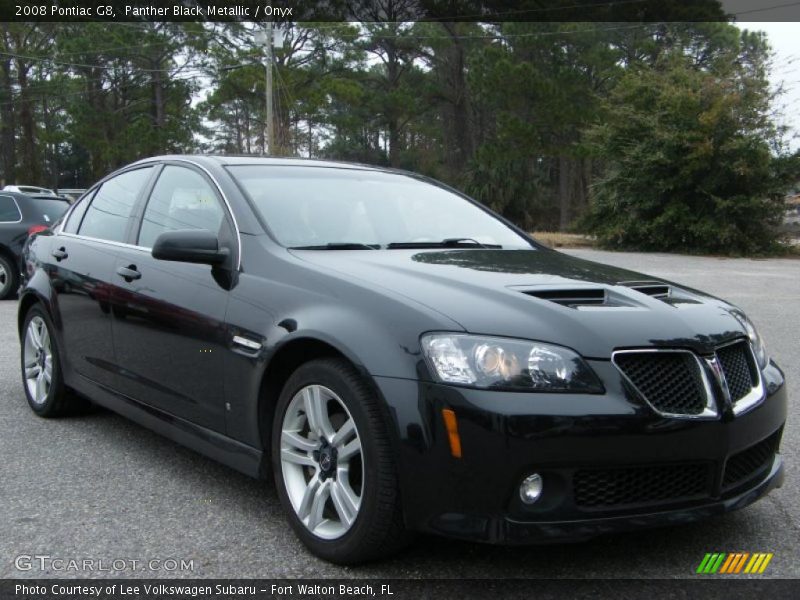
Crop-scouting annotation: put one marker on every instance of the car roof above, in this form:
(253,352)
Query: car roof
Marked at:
(15,195)
(246,159)
(21,186)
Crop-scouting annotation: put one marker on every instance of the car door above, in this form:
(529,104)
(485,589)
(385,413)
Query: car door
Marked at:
(80,263)
(168,324)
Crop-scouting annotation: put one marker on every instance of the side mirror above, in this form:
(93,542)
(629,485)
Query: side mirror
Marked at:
(190,246)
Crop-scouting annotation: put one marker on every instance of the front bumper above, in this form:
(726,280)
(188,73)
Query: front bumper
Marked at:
(507,530)
(608,462)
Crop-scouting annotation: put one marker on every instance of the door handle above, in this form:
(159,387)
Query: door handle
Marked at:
(60,254)
(129,273)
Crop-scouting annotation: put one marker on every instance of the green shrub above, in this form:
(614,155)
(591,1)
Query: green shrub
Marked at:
(690,163)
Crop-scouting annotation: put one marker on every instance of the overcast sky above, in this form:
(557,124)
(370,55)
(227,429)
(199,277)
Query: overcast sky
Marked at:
(785,41)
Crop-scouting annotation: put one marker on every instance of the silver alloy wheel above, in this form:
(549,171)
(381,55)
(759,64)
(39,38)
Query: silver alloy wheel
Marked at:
(4,277)
(38,355)
(322,462)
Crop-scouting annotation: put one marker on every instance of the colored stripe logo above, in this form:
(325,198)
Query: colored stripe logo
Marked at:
(734,563)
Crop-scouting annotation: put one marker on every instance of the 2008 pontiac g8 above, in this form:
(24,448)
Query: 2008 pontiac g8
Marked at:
(395,355)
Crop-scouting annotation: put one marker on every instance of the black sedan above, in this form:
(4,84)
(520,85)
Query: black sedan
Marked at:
(21,215)
(397,357)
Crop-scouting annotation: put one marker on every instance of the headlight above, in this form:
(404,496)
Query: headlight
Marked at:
(493,362)
(762,358)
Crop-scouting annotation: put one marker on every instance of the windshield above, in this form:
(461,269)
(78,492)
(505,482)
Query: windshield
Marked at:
(317,206)
(49,211)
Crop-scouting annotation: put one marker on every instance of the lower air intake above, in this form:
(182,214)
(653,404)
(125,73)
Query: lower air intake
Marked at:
(749,462)
(609,488)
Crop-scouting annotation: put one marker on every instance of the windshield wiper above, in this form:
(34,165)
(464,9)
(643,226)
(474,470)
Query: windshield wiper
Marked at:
(339,246)
(445,243)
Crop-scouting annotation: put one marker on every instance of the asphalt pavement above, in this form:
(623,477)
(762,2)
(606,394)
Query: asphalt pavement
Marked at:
(99,487)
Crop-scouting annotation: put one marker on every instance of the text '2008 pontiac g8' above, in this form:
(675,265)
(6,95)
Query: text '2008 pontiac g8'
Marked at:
(395,355)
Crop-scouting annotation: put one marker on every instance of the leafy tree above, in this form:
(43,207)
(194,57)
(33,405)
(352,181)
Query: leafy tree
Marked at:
(660,130)
(131,89)
(688,154)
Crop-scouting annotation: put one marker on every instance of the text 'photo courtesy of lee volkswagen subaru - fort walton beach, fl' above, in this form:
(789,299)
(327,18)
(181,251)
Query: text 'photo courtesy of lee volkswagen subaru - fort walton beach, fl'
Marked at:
(396,356)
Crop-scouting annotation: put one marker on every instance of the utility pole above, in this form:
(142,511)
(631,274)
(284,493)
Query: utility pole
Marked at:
(270,132)
(266,38)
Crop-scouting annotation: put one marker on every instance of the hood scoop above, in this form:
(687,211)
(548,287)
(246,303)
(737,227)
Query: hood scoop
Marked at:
(588,297)
(571,298)
(654,289)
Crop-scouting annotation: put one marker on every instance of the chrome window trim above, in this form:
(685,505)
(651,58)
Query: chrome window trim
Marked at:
(109,242)
(710,411)
(19,210)
(155,163)
(757,393)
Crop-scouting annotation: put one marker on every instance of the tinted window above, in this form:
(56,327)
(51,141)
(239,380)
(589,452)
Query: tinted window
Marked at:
(76,216)
(181,199)
(8,210)
(308,206)
(49,211)
(108,215)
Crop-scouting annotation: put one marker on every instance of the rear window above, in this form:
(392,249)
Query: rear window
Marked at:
(9,213)
(49,211)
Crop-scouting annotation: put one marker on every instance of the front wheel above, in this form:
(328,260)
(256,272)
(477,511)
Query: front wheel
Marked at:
(333,465)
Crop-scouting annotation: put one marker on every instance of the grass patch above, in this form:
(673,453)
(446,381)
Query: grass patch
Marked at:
(558,239)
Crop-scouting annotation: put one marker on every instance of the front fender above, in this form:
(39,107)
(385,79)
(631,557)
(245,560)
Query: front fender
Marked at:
(375,332)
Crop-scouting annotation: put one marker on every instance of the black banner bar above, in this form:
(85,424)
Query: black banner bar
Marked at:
(399,10)
(722,588)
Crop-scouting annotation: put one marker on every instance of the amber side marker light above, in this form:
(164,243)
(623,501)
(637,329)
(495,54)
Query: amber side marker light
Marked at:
(451,424)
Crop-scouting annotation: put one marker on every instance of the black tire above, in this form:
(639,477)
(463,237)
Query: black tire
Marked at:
(60,400)
(9,278)
(378,530)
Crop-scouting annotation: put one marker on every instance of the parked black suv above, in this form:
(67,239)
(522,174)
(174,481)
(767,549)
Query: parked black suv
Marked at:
(21,215)
(396,356)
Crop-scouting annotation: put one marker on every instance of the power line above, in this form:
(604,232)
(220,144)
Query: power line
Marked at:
(84,65)
(500,36)
(766,8)
(45,90)
(404,35)
(103,50)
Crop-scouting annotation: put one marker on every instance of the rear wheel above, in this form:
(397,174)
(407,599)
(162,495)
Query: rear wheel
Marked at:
(8,278)
(333,465)
(41,369)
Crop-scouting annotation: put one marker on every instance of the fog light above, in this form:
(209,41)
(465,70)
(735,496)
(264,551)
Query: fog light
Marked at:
(531,488)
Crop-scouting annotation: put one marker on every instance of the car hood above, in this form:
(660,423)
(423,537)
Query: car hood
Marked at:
(541,295)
